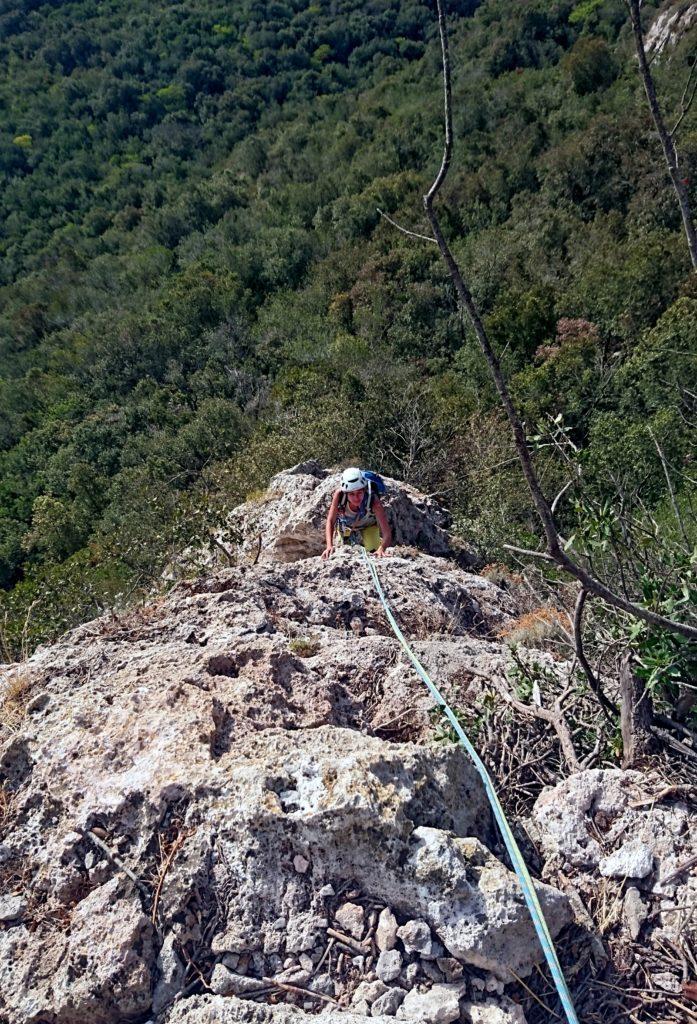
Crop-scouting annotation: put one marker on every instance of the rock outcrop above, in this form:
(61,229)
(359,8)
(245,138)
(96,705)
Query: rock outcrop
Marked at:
(287,522)
(670,26)
(212,801)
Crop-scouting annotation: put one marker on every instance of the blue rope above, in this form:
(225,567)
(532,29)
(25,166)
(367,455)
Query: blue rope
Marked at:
(526,882)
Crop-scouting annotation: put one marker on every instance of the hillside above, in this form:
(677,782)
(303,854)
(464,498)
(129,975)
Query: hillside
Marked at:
(198,289)
(238,804)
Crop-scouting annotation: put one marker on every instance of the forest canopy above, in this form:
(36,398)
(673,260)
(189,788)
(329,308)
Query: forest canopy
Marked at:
(197,288)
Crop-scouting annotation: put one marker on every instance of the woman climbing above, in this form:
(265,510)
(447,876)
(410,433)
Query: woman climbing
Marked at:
(356,514)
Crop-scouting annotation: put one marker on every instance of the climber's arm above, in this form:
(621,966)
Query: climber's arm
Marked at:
(331,523)
(385,530)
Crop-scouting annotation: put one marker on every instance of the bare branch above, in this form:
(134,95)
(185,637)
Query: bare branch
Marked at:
(405,231)
(554,542)
(685,101)
(666,137)
(559,496)
(531,554)
(608,707)
(671,492)
(554,717)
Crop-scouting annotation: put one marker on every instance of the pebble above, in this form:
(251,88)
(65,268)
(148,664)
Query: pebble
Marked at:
(411,975)
(451,968)
(440,1005)
(12,908)
(666,982)
(416,937)
(369,991)
(306,962)
(294,976)
(323,983)
(388,1003)
(327,891)
(350,918)
(386,934)
(225,983)
(633,860)
(389,965)
(635,911)
(300,864)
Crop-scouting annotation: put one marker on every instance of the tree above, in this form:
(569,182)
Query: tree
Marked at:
(556,549)
(666,135)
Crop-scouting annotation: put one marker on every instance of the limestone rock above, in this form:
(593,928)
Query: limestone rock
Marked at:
(634,859)
(216,1009)
(389,965)
(635,912)
(171,972)
(388,1003)
(452,969)
(350,918)
(386,933)
(416,937)
(503,1012)
(240,719)
(369,992)
(290,517)
(439,1005)
(11,908)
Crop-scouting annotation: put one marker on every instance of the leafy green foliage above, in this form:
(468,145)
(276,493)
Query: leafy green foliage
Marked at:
(197,288)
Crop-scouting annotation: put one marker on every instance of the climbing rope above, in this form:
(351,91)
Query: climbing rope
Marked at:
(526,882)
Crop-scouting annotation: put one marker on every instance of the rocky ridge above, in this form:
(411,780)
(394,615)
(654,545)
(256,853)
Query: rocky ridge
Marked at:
(207,803)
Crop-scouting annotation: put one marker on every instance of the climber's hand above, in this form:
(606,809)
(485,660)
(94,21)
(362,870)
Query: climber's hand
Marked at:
(381,553)
(327,551)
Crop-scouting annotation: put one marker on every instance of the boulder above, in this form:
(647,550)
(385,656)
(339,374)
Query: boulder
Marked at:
(287,523)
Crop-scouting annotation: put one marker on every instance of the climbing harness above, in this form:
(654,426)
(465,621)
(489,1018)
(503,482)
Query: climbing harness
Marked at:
(526,882)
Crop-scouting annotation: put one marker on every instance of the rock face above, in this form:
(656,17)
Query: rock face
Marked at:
(603,827)
(287,523)
(206,786)
(670,26)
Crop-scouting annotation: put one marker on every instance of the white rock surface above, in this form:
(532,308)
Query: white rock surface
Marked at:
(633,859)
(438,1005)
(289,519)
(386,933)
(416,937)
(244,720)
(669,27)
(350,918)
(388,965)
(502,1012)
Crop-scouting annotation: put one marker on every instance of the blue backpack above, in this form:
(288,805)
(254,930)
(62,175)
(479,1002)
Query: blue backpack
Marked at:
(375,482)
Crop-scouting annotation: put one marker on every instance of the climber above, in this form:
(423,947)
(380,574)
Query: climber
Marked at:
(356,514)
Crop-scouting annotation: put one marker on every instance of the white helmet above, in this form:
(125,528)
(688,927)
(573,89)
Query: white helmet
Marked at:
(352,480)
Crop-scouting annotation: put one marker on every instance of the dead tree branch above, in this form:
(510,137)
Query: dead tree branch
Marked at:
(555,547)
(667,138)
(405,231)
(608,707)
(687,98)
(554,717)
(636,716)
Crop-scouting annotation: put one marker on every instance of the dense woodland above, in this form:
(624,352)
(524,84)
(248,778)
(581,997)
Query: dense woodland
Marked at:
(197,288)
